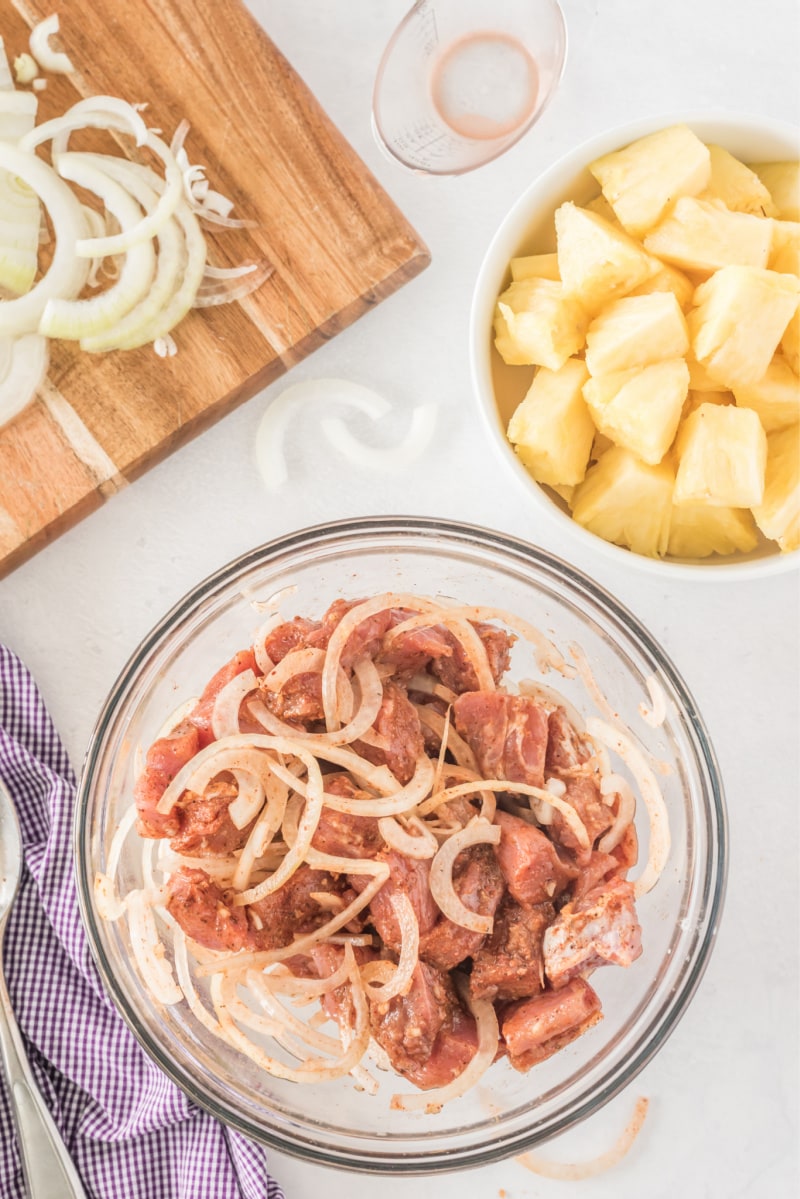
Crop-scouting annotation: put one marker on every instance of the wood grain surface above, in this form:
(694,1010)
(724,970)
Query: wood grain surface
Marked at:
(337,242)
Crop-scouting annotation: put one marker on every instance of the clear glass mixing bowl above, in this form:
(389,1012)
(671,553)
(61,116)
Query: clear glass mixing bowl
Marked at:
(333,1123)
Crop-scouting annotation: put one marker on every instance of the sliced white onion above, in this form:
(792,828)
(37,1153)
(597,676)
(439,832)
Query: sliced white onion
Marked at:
(477,832)
(561,805)
(420,844)
(371,688)
(225,713)
(282,413)
(185,980)
(148,951)
(67,273)
(25,68)
(462,630)
(249,799)
(25,373)
(393,459)
(49,59)
(455,743)
(96,112)
(659,840)
(266,826)
(305,831)
(227,292)
(656,714)
(488,1039)
(615,784)
(399,981)
(6,79)
(298,661)
(76,319)
(17,114)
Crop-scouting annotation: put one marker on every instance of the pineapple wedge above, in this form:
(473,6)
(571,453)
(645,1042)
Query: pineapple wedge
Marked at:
(641,181)
(596,261)
(539,324)
(640,409)
(785,256)
(790,343)
(535,266)
(722,454)
(635,331)
(778,515)
(701,236)
(551,430)
(624,500)
(775,397)
(782,180)
(697,530)
(740,316)
(668,278)
(739,188)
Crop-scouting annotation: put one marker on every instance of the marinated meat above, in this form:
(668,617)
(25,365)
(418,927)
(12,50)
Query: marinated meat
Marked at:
(457,672)
(506,733)
(292,634)
(206,827)
(407,1026)
(409,876)
(510,963)
(326,961)
(365,639)
(599,867)
(299,700)
(478,882)
(341,834)
(292,910)
(454,1048)
(583,794)
(536,1028)
(533,871)
(398,724)
(598,930)
(204,708)
(165,758)
(201,908)
(411,652)
(566,749)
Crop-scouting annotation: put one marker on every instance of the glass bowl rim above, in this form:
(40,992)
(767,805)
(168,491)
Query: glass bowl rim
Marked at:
(714,872)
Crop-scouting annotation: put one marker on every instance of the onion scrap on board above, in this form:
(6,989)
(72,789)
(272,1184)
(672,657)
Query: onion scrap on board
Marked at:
(202,920)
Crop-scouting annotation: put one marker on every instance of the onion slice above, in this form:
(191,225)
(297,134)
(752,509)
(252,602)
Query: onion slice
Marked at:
(26,370)
(577,1171)
(660,840)
(477,832)
(54,61)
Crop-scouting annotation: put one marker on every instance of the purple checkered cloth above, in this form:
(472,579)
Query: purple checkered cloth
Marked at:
(129,1130)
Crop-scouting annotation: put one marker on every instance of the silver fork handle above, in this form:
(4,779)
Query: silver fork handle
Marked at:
(46,1165)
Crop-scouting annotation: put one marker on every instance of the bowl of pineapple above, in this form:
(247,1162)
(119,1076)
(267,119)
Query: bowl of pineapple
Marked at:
(635,344)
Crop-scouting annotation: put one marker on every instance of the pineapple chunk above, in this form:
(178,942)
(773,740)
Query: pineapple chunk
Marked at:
(540,325)
(535,266)
(700,236)
(785,256)
(697,530)
(739,188)
(552,430)
(640,409)
(596,261)
(775,397)
(782,180)
(624,500)
(641,181)
(740,315)
(635,331)
(722,454)
(778,515)
(667,278)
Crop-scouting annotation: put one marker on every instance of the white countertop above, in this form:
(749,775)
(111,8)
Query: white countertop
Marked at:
(723,1116)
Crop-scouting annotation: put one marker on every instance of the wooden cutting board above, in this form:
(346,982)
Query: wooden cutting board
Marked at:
(337,243)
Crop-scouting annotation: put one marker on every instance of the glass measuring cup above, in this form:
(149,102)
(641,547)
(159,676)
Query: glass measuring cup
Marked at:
(462,80)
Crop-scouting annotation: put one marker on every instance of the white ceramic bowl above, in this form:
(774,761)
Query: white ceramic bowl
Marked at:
(528,227)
